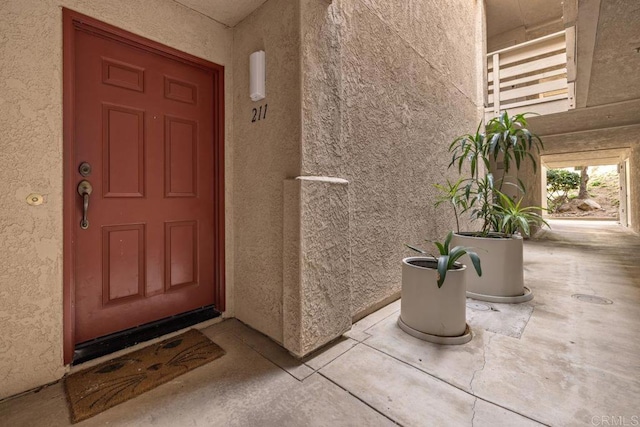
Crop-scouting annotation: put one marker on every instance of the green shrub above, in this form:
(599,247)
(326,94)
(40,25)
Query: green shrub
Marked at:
(562,180)
(559,182)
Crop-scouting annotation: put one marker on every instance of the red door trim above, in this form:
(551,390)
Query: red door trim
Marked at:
(73,21)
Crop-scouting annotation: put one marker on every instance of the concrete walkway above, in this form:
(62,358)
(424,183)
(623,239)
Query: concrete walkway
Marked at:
(557,360)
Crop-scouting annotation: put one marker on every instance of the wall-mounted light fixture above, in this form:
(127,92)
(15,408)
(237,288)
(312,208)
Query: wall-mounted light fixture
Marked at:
(257,71)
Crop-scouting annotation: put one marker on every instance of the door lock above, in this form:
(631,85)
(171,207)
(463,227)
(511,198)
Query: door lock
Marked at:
(84,169)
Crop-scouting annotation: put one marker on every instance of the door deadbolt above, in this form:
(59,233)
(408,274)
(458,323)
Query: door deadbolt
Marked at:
(84,169)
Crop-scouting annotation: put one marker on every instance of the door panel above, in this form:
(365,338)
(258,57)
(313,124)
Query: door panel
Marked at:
(144,121)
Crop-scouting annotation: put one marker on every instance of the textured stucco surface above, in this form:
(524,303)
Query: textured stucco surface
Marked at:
(367,91)
(266,152)
(31,162)
(316,268)
(407,85)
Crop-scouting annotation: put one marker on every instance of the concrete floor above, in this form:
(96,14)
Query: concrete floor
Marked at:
(555,360)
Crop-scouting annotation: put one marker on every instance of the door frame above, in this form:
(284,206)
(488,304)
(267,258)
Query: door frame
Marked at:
(73,21)
(627,181)
(623,208)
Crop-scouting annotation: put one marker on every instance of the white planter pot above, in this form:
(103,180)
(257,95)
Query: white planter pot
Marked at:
(431,313)
(502,277)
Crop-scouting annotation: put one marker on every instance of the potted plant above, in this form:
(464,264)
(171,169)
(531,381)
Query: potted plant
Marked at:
(503,222)
(513,218)
(429,310)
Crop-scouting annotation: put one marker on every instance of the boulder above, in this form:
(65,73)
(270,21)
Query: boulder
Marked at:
(589,205)
(566,207)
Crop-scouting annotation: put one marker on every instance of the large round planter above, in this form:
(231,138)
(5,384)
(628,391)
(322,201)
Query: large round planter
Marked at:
(431,313)
(502,277)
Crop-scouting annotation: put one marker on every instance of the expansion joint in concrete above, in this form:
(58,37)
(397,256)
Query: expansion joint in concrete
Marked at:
(469,392)
(359,399)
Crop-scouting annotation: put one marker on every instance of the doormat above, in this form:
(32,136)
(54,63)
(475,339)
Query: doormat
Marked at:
(108,384)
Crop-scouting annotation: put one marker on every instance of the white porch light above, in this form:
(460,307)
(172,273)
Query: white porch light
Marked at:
(257,71)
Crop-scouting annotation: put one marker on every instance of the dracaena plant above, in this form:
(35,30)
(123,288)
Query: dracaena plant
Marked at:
(454,195)
(512,217)
(510,137)
(504,139)
(449,256)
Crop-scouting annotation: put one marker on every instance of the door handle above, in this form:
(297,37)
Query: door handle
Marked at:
(84,190)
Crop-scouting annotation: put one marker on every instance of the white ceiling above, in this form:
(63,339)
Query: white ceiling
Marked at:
(607,85)
(227,12)
(505,15)
(591,158)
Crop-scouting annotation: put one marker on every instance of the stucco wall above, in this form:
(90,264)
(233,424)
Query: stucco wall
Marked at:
(266,152)
(31,161)
(316,295)
(407,85)
(366,90)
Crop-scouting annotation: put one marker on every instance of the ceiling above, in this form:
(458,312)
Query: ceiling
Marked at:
(607,44)
(585,158)
(506,15)
(607,82)
(608,60)
(227,12)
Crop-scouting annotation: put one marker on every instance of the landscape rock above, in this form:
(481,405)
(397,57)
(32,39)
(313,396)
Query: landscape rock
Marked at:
(589,205)
(566,207)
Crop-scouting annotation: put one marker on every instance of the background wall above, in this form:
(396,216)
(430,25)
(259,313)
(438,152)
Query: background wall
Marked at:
(386,87)
(369,91)
(266,153)
(31,161)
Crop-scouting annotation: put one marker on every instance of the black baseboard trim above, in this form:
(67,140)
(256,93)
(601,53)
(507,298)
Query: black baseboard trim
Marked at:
(108,344)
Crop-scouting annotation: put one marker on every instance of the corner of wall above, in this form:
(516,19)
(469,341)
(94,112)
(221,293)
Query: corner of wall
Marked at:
(266,152)
(316,267)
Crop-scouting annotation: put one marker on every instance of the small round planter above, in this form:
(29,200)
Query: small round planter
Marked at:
(502,277)
(433,314)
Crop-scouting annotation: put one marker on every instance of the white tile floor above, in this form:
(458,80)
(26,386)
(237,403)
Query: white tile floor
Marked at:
(552,361)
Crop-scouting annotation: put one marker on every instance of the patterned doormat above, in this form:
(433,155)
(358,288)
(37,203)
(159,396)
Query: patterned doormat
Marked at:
(101,387)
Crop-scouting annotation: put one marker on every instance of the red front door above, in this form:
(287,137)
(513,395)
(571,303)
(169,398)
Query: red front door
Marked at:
(144,140)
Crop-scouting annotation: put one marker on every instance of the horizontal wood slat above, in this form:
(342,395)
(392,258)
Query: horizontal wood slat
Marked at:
(532,78)
(544,107)
(546,47)
(539,88)
(525,44)
(533,66)
(535,101)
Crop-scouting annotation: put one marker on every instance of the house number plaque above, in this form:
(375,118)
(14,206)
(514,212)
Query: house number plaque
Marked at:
(260,113)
